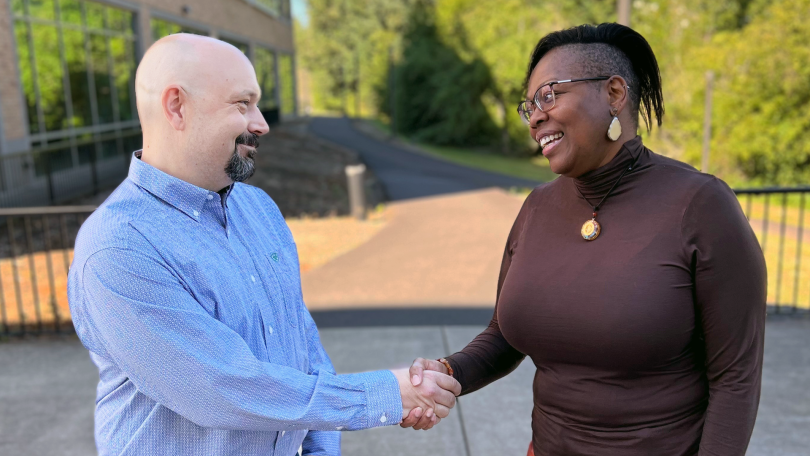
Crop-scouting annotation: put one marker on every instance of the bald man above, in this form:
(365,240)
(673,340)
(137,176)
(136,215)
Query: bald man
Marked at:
(185,288)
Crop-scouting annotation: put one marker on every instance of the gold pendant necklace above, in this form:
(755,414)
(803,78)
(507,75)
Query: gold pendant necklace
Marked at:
(592,229)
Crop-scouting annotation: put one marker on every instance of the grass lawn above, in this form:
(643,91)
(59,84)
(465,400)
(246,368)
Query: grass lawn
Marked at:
(526,168)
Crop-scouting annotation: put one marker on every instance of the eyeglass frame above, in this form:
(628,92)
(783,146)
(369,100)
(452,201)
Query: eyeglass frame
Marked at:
(551,84)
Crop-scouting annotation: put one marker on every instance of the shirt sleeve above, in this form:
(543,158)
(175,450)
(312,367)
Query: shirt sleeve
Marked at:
(321,443)
(136,311)
(318,443)
(489,356)
(730,283)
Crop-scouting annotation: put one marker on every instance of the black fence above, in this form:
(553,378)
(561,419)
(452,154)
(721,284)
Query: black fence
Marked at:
(778,217)
(36,249)
(66,169)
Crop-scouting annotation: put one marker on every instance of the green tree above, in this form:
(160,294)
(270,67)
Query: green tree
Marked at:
(346,48)
(473,55)
(438,96)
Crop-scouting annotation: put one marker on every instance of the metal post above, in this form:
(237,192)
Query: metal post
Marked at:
(392,96)
(49,176)
(343,90)
(94,165)
(707,122)
(623,12)
(355,174)
(357,84)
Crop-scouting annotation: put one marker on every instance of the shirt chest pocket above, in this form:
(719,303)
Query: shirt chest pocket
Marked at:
(284,275)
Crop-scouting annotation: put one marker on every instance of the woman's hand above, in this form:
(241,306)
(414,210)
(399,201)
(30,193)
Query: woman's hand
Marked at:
(417,418)
(420,365)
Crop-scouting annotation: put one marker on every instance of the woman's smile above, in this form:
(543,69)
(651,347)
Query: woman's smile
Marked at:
(551,143)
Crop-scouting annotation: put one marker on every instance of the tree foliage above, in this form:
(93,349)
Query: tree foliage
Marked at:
(436,95)
(459,66)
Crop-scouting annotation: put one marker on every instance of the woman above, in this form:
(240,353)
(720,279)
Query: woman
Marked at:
(633,282)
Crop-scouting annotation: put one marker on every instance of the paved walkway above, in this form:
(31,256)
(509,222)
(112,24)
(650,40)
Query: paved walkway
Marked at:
(444,244)
(407,174)
(47,391)
(436,251)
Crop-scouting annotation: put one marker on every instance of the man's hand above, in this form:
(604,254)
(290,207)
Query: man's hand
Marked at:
(417,418)
(429,401)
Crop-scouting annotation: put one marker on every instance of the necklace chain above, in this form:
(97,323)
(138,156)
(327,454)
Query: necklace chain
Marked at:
(596,208)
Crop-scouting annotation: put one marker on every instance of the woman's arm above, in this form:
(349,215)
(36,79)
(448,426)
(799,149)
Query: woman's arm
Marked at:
(489,356)
(730,295)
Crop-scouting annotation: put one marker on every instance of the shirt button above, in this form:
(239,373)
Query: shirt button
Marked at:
(210,197)
(383,419)
(253,278)
(283,432)
(196,214)
(339,428)
(270,329)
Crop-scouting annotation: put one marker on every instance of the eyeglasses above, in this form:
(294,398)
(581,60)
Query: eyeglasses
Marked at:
(545,99)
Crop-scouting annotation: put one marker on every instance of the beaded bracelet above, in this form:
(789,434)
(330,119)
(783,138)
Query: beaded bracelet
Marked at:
(447,365)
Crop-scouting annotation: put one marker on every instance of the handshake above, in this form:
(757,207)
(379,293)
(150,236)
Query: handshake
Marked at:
(428,393)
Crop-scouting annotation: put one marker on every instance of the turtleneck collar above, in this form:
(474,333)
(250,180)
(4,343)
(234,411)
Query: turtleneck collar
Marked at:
(596,183)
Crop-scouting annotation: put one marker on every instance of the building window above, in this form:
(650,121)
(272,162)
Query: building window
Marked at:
(264,62)
(161,28)
(276,8)
(286,81)
(77,65)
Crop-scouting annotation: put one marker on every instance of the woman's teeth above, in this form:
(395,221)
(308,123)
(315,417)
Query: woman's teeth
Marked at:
(545,140)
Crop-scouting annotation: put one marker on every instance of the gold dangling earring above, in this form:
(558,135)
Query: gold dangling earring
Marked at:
(615,128)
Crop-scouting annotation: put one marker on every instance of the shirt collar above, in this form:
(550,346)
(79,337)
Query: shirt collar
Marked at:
(185,197)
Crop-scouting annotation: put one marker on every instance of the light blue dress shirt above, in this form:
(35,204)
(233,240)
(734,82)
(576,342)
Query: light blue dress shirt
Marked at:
(190,305)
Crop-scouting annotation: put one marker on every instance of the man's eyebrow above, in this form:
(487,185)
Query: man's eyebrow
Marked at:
(248,93)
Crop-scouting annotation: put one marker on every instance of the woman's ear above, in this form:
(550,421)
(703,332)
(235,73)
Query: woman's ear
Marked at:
(618,93)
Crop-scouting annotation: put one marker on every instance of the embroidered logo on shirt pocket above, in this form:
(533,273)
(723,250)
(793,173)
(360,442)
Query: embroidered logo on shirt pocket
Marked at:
(287,277)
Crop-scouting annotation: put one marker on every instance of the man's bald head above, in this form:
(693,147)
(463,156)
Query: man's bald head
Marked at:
(193,62)
(197,101)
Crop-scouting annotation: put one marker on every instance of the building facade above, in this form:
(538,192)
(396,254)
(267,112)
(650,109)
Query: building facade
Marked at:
(68,121)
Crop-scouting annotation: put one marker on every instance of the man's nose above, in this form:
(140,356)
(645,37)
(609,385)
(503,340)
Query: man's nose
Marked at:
(256,123)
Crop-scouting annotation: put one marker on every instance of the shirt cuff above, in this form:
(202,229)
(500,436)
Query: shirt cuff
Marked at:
(383,399)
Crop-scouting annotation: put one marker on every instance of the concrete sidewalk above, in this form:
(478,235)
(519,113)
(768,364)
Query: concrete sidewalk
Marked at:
(47,392)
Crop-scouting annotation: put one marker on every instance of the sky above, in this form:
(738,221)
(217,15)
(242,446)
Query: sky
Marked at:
(299,11)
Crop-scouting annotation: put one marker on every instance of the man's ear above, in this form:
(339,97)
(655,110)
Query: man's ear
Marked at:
(173,100)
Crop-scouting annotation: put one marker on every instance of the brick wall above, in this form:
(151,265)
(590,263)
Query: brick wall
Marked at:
(235,16)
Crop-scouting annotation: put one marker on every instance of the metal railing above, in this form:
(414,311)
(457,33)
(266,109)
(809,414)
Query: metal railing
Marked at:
(66,169)
(36,248)
(781,212)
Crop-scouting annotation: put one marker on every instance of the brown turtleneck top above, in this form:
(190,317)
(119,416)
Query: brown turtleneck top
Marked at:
(647,340)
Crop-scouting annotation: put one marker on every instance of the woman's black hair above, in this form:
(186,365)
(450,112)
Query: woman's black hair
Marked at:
(612,49)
